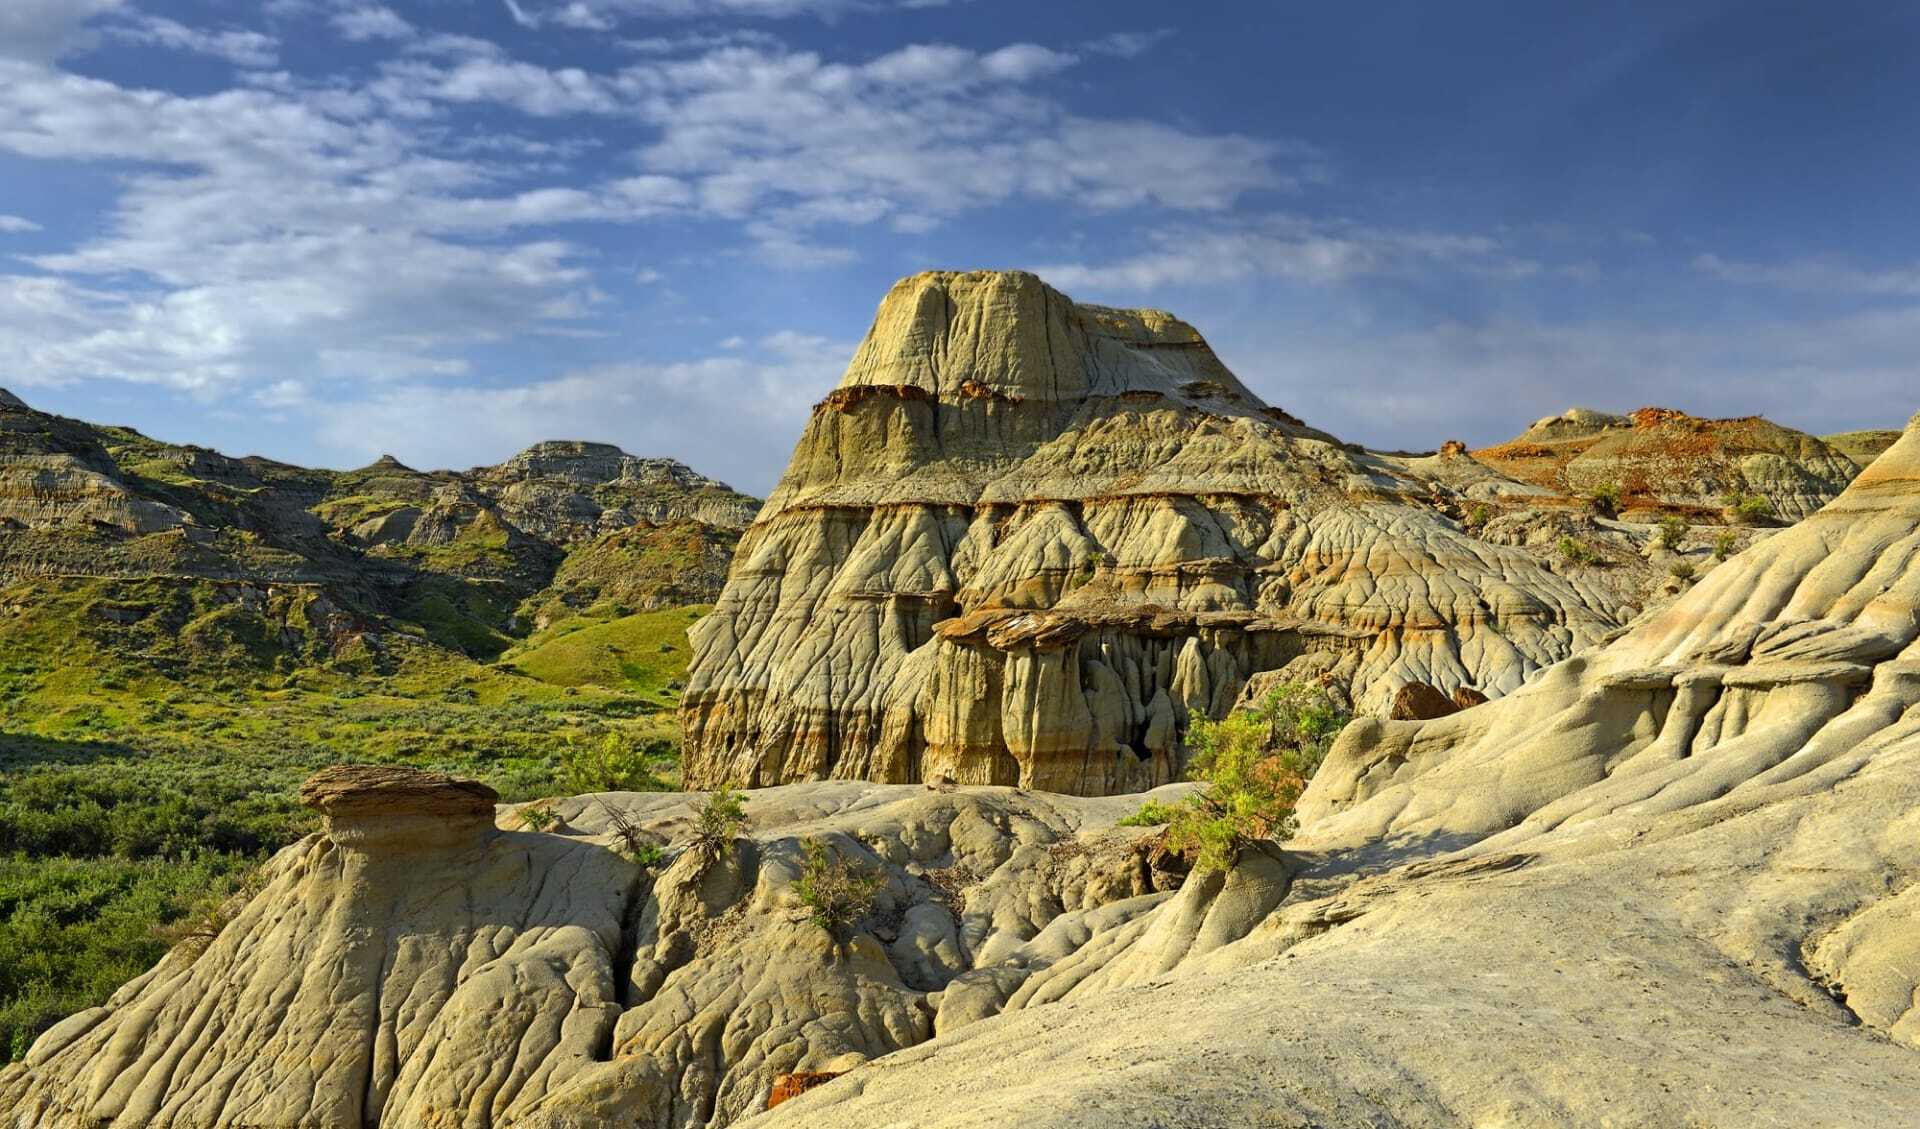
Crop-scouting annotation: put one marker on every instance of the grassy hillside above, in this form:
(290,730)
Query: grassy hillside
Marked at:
(152,736)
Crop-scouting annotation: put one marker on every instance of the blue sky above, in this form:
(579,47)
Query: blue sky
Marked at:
(326,229)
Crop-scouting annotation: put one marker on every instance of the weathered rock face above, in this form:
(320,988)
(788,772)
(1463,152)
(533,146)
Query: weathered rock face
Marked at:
(1026,541)
(395,970)
(1640,891)
(414,967)
(80,500)
(564,491)
(1668,461)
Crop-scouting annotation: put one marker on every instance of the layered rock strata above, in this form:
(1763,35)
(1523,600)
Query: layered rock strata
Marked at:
(414,966)
(1669,882)
(1028,541)
(1665,461)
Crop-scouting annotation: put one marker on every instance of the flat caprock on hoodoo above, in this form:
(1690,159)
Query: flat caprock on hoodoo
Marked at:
(1025,541)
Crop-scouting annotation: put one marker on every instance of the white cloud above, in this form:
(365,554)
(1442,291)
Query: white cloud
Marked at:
(733,416)
(44,30)
(599,15)
(363,22)
(273,228)
(1285,247)
(14,225)
(239,47)
(1414,388)
(1127,44)
(1814,276)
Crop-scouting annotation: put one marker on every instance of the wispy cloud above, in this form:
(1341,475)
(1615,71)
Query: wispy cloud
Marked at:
(1288,247)
(1814,276)
(44,30)
(15,225)
(1127,44)
(240,47)
(734,414)
(601,15)
(361,23)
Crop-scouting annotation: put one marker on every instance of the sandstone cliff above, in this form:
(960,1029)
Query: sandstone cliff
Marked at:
(1025,541)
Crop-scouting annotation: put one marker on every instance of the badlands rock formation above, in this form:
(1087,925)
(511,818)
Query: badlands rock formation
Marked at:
(556,528)
(1025,541)
(1670,882)
(416,967)
(1666,461)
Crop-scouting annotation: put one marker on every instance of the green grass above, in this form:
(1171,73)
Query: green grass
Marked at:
(152,740)
(73,930)
(644,653)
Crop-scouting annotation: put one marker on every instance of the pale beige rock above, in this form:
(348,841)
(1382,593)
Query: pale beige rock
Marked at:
(1670,882)
(1028,541)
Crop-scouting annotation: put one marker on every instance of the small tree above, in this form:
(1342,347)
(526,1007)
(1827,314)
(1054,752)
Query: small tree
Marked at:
(539,817)
(1673,531)
(616,763)
(837,894)
(1255,764)
(717,823)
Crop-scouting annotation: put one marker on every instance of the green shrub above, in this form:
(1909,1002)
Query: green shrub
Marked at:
(74,930)
(1673,531)
(837,894)
(718,822)
(616,763)
(1605,499)
(538,817)
(1576,551)
(1724,545)
(1682,571)
(1748,509)
(1254,765)
(1153,813)
(1479,516)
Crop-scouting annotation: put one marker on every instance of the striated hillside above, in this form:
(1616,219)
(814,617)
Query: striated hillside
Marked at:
(1663,461)
(1025,541)
(1668,882)
(341,563)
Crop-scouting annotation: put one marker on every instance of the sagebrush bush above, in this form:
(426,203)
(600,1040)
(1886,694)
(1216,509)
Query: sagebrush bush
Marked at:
(1673,531)
(1254,765)
(838,894)
(1576,551)
(1748,509)
(719,820)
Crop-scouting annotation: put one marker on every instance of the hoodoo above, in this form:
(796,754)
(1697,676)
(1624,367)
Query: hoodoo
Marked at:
(1026,541)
